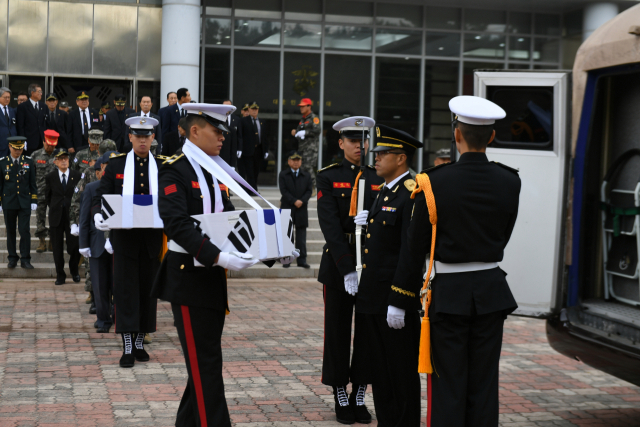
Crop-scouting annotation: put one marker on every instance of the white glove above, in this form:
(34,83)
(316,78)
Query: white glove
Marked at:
(34,206)
(266,155)
(85,252)
(361,218)
(0,209)
(108,247)
(239,154)
(351,283)
(75,230)
(100,224)
(235,261)
(289,259)
(300,134)
(395,317)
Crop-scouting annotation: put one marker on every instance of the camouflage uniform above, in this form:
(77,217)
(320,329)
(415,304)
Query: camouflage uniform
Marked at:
(154,147)
(83,158)
(308,147)
(44,165)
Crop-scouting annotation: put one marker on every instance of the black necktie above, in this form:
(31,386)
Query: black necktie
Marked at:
(6,113)
(182,113)
(15,162)
(35,106)
(64,182)
(255,129)
(52,117)
(85,130)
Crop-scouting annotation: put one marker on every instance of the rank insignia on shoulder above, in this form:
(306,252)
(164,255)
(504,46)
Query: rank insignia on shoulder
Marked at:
(329,167)
(410,184)
(388,209)
(173,158)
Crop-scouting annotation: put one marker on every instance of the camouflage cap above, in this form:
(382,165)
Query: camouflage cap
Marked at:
(107,145)
(95,136)
(154,143)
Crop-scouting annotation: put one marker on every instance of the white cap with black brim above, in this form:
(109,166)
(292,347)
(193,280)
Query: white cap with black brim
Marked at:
(214,114)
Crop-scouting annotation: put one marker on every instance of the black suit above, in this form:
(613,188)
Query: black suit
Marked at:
(114,127)
(254,145)
(232,142)
(80,139)
(30,124)
(292,189)
(59,200)
(135,252)
(477,206)
(157,130)
(170,116)
(171,143)
(60,123)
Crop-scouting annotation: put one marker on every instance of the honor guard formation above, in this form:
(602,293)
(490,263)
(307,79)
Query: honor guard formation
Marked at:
(409,267)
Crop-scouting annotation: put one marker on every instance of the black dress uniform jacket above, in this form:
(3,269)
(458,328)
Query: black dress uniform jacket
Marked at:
(179,281)
(477,205)
(335,184)
(21,177)
(296,188)
(78,139)
(59,123)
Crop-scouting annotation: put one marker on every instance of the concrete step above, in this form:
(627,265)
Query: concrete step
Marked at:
(45,257)
(40,271)
(276,272)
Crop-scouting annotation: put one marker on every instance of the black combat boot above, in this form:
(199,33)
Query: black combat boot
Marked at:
(140,353)
(344,412)
(128,359)
(356,401)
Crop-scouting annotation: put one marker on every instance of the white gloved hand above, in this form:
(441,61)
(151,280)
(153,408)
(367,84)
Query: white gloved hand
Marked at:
(100,224)
(239,154)
(266,155)
(108,247)
(289,259)
(85,252)
(361,218)
(0,209)
(235,261)
(300,134)
(351,283)
(395,317)
(75,230)
(34,206)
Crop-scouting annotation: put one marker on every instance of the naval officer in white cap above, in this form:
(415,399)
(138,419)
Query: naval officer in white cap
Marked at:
(476,205)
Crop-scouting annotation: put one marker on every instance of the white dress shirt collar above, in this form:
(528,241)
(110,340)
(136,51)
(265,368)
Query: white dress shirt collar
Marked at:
(66,174)
(34,103)
(395,181)
(142,114)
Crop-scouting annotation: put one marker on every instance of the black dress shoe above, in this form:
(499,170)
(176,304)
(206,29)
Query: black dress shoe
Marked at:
(60,280)
(12,264)
(103,329)
(286,265)
(304,265)
(76,278)
(360,412)
(95,324)
(344,415)
(26,264)
(127,360)
(141,355)
(92,309)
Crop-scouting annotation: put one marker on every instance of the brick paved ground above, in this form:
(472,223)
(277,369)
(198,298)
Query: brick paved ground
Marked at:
(56,371)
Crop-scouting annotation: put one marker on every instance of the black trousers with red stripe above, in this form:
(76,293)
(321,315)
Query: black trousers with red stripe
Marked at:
(338,315)
(463,390)
(203,402)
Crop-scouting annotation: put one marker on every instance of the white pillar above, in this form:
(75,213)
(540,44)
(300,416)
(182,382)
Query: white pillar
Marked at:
(180,60)
(596,14)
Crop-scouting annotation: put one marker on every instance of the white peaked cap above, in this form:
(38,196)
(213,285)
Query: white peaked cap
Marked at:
(217,111)
(354,123)
(474,110)
(139,122)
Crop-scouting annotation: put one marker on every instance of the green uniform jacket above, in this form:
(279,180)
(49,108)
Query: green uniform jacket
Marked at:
(18,183)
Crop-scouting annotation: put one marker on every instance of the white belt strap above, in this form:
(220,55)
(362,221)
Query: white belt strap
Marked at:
(442,268)
(173,246)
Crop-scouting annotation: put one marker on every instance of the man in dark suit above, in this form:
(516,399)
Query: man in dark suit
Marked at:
(232,139)
(172,98)
(295,187)
(30,119)
(92,246)
(172,114)
(7,121)
(57,120)
(173,141)
(145,111)
(255,147)
(59,187)
(83,119)
(114,126)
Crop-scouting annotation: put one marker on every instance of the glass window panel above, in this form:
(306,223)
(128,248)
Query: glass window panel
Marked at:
(573,23)
(149,40)
(217,3)
(114,29)
(217,31)
(263,90)
(484,46)
(346,37)
(546,50)
(70,51)
(308,10)
(398,93)
(443,18)
(347,86)
(399,15)
(396,41)
(216,75)
(546,67)
(27,34)
(257,33)
(443,44)
(270,9)
(3,37)
(302,35)
(222,11)
(349,12)
(518,66)
(441,84)
(519,47)
(485,20)
(467,76)
(156,2)
(520,22)
(548,25)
